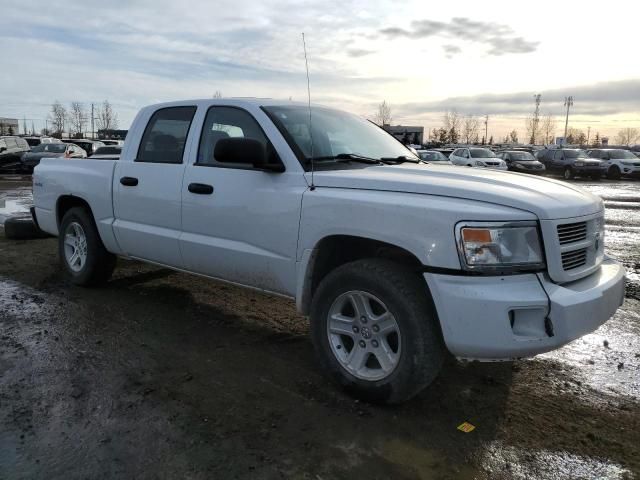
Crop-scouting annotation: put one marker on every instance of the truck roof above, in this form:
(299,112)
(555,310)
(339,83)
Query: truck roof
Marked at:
(237,101)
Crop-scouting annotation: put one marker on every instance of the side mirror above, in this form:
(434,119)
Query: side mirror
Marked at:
(244,151)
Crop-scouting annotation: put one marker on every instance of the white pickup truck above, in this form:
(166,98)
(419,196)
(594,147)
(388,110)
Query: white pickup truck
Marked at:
(394,260)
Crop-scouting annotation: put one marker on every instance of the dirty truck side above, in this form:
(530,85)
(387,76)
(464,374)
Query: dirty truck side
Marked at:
(395,262)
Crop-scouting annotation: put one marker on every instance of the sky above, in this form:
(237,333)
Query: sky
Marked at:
(479,58)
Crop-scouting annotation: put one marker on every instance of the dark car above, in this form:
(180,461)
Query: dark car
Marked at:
(617,162)
(89,146)
(571,162)
(108,152)
(522,161)
(47,150)
(11,150)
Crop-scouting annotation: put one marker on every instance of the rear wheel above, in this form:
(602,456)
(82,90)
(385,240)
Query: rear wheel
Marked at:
(81,251)
(375,330)
(568,173)
(614,173)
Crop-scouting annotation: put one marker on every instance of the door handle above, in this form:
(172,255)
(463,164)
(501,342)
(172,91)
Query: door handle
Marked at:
(129,181)
(200,188)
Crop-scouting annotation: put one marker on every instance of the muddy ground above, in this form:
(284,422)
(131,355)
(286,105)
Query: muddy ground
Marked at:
(165,375)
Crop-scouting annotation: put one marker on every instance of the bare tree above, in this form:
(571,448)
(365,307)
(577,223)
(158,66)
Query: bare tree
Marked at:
(78,118)
(218,94)
(106,118)
(470,127)
(383,114)
(452,121)
(548,128)
(627,136)
(58,118)
(596,140)
(513,136)
(575,135)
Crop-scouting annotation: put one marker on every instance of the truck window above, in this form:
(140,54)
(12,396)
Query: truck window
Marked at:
(166,135)
(226,122)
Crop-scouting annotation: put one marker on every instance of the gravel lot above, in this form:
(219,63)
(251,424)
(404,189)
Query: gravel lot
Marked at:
(165,375)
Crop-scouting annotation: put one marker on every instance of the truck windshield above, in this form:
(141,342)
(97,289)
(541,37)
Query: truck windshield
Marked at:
(335,133)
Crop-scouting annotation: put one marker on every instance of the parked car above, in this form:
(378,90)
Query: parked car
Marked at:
(477,157)
(34,141)
(433,156)
(571,162)
(48,150)
(107,152)
(394,260)
(617,162)
(11,150)
(117,143)
(87,145)
(521,161)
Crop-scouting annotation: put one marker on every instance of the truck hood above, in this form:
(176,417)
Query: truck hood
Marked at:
(547,199)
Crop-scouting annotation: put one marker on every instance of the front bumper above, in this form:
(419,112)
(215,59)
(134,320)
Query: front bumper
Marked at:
(589,170)
(502,318)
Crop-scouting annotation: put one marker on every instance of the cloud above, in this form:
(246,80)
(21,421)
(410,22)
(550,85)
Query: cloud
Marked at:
(451,50)
(359,52)
(500,39)
(606,98)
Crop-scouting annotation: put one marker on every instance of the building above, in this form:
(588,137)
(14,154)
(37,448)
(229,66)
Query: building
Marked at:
(406,134)
(9,126)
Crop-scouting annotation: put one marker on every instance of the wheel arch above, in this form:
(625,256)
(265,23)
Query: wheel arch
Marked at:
(333,251)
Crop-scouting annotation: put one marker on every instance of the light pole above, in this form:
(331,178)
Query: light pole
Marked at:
(568,102)
(486,129)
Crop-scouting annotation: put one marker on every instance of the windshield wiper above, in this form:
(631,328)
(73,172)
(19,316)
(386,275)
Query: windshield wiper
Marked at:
(348,157)
(400,159)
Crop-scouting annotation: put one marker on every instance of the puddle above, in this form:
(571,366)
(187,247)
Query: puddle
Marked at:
(607,360)
(516,464)
(15,202)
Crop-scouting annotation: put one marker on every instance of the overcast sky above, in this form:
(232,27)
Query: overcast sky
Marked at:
(422,57)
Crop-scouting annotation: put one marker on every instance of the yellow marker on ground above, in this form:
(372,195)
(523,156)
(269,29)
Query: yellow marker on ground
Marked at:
(466,427)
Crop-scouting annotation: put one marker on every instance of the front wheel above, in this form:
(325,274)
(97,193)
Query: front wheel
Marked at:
(81,251)
(375,330)
(614,173)
(568,173)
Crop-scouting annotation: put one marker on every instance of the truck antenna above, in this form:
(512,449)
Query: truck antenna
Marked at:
(306,64)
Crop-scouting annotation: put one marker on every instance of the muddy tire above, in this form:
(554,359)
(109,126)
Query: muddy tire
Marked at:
(614,173)
(81,250)
(22,228)
(568,173)
(375,330)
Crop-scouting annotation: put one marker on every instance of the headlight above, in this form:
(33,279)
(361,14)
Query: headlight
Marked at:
(480,164)
(503,247)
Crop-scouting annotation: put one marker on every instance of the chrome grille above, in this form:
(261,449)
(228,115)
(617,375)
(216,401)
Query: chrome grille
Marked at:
(572,232)
(574,259)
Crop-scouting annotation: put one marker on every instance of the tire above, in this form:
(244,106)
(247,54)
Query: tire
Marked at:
(94,264)
(614,173)
(22,228)
(568,173)
(417,350)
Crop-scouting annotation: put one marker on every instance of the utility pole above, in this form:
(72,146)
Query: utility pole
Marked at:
(93,134)
(568,102)
(486,129)
(588,135)
(536,119)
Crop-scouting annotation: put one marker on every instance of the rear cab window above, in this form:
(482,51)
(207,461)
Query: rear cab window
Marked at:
(165,136)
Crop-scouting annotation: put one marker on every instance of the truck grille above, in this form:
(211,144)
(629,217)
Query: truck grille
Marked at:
(574,259)
(572,232)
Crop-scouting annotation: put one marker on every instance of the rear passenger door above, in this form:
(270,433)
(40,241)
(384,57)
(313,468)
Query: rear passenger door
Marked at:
(148,187)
